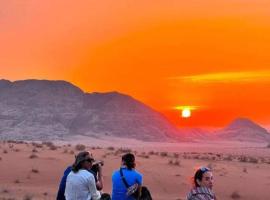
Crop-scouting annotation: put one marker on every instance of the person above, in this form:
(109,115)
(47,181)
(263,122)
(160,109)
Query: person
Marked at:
(96,170)
(80,183)
(130,175)
(203,185)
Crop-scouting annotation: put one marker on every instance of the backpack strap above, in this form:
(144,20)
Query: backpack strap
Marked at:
(123,178)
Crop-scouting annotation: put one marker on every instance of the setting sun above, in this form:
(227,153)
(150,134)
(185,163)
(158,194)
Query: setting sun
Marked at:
(186,110)
(186,113)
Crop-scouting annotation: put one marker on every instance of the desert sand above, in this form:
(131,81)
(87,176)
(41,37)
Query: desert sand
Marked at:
(241,170)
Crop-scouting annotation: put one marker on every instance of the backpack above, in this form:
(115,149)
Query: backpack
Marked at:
(145,194)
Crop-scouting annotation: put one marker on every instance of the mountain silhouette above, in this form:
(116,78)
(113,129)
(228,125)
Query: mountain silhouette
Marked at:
(243,129)
(48,110)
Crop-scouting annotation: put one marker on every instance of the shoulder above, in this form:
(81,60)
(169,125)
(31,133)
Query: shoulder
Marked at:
(67,170)
(189,195)
(82,172)
(116,173)
(200,192)
(137,173)
(132,171)
(85,172)
(92,172)
(86,175)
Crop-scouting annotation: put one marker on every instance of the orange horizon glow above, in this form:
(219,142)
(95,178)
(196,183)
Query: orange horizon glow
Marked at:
(212,55)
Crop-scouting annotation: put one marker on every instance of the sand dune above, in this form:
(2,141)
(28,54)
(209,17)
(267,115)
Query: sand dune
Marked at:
(33,171)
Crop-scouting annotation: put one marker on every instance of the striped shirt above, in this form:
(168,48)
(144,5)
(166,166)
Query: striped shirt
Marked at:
(201,193)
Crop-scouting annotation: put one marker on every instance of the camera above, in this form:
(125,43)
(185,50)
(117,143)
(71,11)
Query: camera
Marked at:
(96,164)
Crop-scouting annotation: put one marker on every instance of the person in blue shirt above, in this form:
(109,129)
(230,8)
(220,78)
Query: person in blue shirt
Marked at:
(131,176)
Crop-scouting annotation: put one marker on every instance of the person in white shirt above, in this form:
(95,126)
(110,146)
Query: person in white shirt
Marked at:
(80,184)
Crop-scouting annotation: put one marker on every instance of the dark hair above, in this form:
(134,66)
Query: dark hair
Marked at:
(199,175)
(79,158)
(129,160)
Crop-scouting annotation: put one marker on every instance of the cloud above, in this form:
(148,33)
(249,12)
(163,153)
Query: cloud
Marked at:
(227,77)
(187,107)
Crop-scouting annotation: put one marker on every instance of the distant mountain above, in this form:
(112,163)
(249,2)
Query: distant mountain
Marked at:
(243,129)
(47,110)
(193,134)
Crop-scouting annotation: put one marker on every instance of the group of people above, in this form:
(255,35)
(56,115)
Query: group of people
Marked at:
(84,181)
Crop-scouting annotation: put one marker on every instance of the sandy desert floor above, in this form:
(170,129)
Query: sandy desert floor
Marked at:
(241,171)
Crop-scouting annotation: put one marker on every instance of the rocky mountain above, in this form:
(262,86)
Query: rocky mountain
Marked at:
(243,129)
(48,110)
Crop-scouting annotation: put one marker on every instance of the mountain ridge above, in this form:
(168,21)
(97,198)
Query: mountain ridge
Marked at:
(243,129)
(42,109)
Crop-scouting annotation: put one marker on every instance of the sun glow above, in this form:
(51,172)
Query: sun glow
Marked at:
(186,113)
(186,110)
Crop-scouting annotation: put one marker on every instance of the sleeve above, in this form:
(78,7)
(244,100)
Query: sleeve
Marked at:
(95,195)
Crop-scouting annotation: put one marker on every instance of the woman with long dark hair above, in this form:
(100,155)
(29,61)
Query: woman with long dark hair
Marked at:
(80,183)
(202,185)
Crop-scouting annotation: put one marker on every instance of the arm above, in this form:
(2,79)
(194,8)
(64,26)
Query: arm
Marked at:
(95,195)
(140,182)
(99,182)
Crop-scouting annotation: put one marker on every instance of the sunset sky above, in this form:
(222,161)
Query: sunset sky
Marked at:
(211,55)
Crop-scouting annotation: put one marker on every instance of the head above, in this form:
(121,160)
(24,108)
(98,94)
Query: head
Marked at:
(203,178)
(129,161)
(83,160)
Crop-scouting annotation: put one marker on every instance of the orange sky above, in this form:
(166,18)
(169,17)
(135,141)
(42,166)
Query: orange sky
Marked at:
(212,55)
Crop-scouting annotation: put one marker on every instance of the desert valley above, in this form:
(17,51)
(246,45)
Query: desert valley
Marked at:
(33,170)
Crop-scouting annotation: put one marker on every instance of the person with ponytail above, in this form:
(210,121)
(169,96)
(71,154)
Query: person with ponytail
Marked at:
(126,177)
